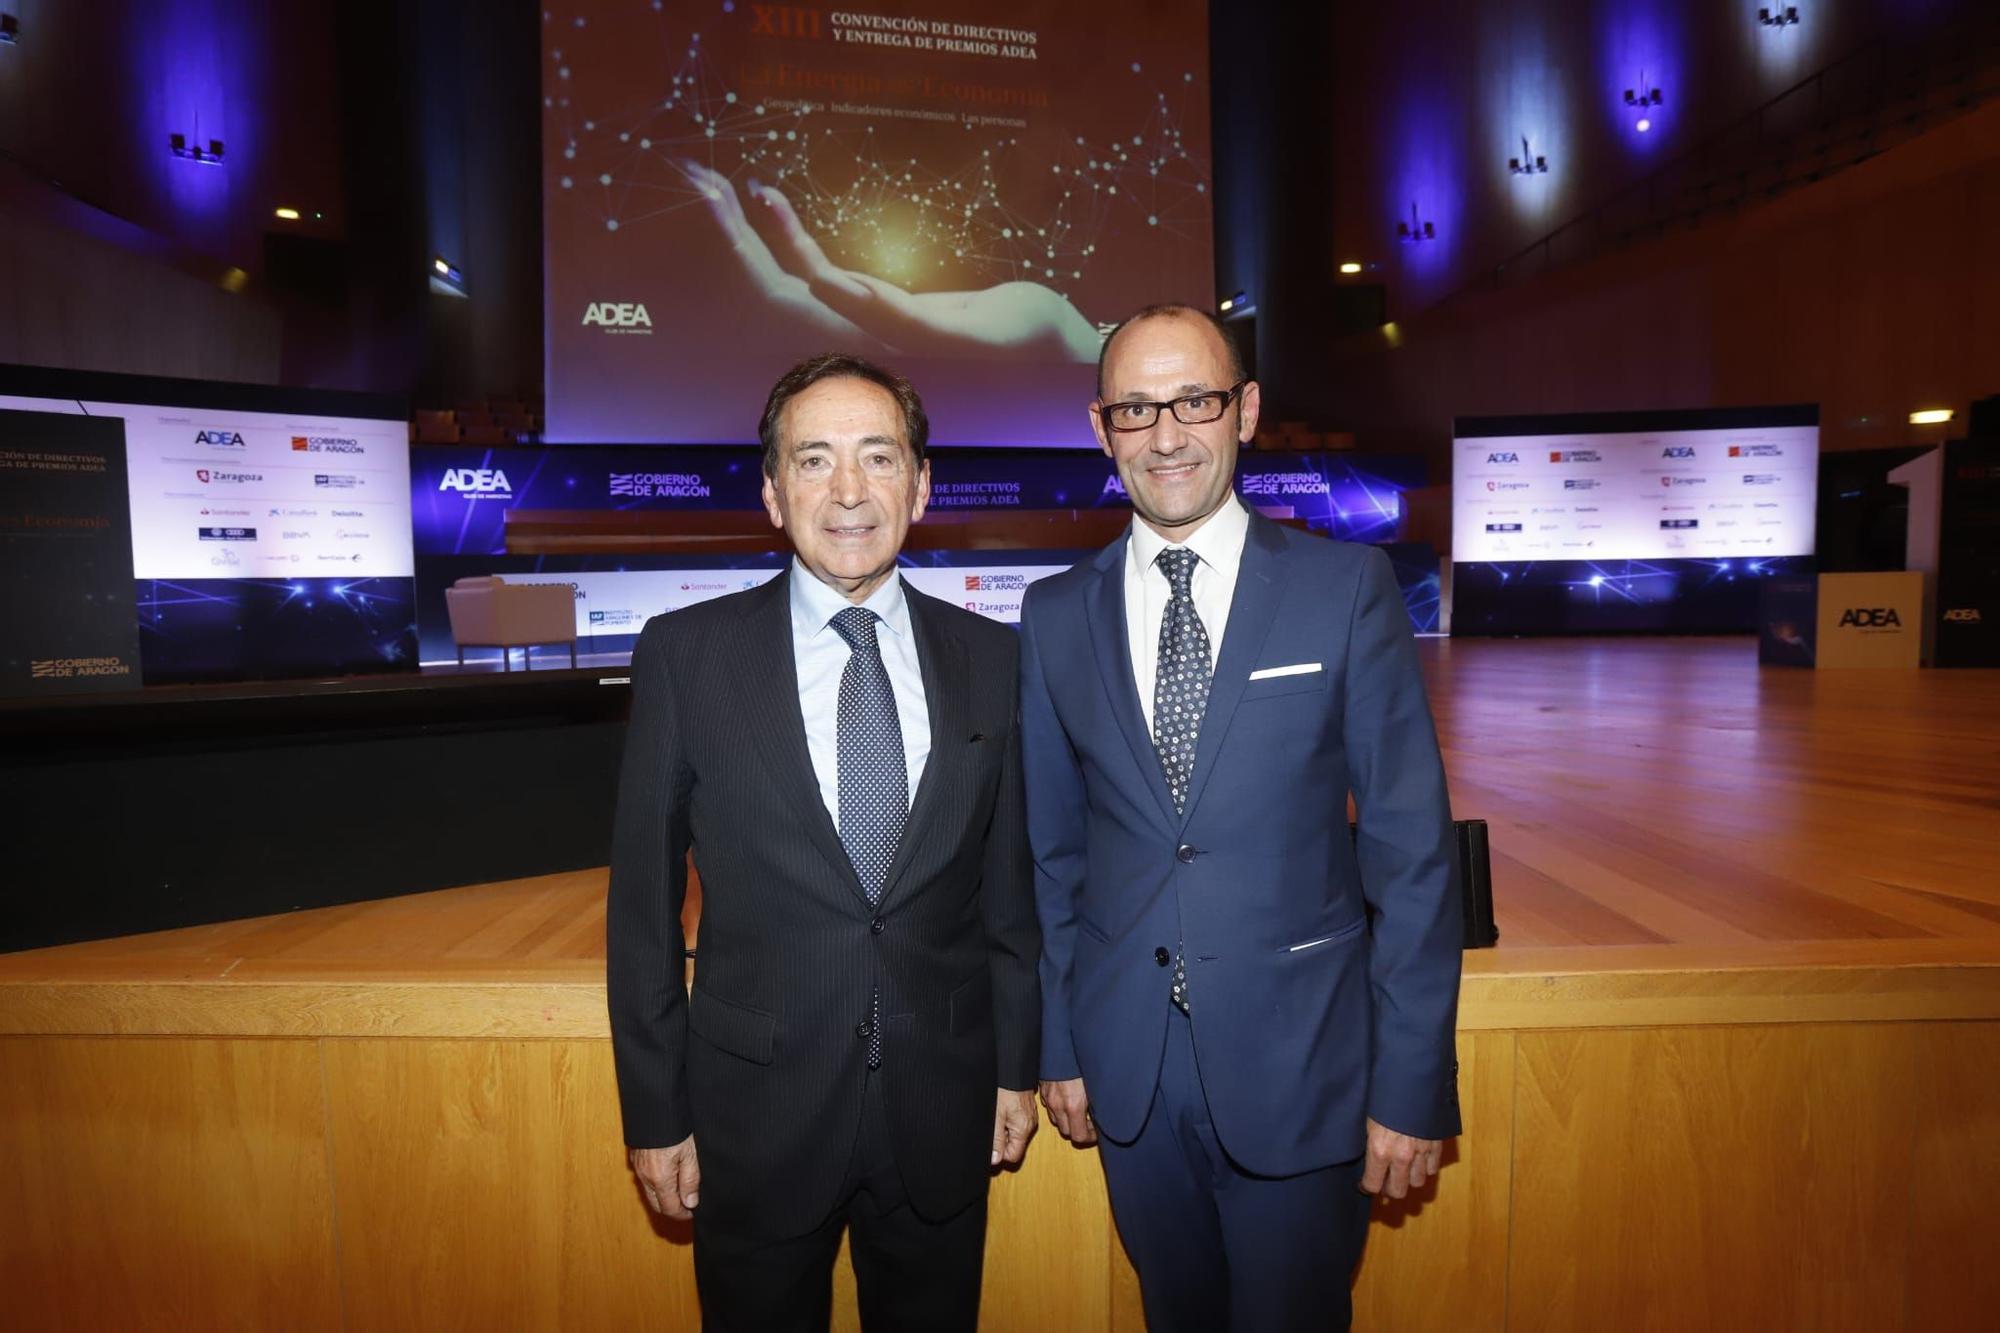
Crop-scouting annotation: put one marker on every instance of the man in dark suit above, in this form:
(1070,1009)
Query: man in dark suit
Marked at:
(1254,1011)
(841,754)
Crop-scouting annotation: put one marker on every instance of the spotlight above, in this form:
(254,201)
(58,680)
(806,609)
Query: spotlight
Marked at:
(10,30)
(1642,99)
(286,214)
(1236,302)
(1350,267)
(1931,416)
(1527,164)
(446,277)
(194,152)
(1782,17)
(1415,229)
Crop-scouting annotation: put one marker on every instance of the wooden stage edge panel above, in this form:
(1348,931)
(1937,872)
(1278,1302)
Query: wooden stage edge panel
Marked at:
(1736,1064)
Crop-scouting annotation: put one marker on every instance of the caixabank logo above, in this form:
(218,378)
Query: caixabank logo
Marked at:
(618,317)
(1878,619)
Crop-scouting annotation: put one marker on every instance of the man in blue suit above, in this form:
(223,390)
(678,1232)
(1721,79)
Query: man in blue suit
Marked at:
(1253,1009)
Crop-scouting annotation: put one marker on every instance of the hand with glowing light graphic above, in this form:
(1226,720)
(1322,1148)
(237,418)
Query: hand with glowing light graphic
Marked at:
(784,262)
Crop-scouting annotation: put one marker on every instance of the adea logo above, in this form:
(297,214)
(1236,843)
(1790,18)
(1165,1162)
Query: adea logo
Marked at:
(1870,617)
(1113,486)
(617,315)
(1678,451)
(221,439)
(1963,615)
(1508,457)
(475,481)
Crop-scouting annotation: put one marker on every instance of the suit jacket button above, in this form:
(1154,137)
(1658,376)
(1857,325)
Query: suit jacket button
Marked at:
(864,1030)
(1185,854)
(877,926)
(1162,957)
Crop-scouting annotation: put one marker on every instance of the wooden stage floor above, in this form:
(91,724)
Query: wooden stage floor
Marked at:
(1731,1066)
(1658,806)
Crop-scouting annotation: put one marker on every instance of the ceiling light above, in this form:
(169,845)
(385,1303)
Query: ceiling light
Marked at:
(1931,416)
(1350,267)
(287,214)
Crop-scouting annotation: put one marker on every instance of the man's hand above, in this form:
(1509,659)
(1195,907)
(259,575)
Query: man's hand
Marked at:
(1014,1122)
(1397,1163)
(671,1178)
(1069,1108)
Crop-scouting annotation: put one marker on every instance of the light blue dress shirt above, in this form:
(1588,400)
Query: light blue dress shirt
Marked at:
(821,655)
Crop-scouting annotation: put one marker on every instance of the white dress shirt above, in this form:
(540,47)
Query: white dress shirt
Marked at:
(821,656)
(1218,544)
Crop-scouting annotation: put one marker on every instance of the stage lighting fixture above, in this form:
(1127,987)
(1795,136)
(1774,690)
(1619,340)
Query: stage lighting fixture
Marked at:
(1350,267)
(446,278)
(1527,164)
(1236,302)
(1415,229)
(1781,17)
(1642,99)
(286,214)
(1931,416)
(10,30)
(194,152)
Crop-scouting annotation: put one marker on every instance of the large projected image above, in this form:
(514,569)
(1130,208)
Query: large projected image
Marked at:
(969,190)
(1629,521)
(264,544)
(1743,492)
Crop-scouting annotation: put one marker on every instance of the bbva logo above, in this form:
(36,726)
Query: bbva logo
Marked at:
(1503,458)
(1963,615)
(1871,617)
(228,439)
(1678,451)
(618,314)
(475,481)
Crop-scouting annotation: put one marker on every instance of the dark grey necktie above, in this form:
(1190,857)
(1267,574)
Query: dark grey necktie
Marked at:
(1180,696)
(872,773)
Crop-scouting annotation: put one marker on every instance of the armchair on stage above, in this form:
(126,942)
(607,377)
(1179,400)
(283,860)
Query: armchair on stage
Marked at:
(488,612)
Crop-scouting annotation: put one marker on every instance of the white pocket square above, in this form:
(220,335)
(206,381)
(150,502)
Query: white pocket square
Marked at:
(1297,669)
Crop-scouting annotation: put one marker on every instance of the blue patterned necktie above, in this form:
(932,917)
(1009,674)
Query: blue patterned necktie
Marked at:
(872,773)
(1180,697)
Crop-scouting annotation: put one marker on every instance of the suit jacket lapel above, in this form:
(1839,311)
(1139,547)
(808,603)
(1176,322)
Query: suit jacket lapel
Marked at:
(1260,584)
(1111,647)
(944,663)
(768,676)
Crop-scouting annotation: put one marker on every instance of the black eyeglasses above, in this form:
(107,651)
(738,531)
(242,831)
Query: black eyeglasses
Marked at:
(1194,409)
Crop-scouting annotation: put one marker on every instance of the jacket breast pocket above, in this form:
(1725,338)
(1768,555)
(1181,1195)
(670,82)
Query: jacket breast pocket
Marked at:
(1271,687)
(738,1029)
